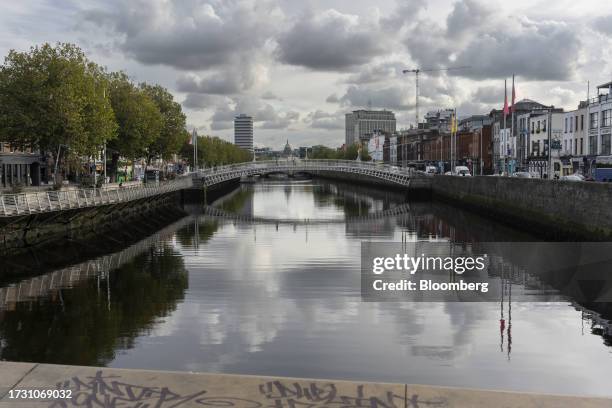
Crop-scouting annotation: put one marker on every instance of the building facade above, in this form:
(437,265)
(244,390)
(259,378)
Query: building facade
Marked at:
(599,114)
(243,132)
(19,168)
(574,140)
(545,130)
(361,124)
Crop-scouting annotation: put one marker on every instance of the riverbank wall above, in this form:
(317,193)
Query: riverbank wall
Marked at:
(21,232)
(556,209)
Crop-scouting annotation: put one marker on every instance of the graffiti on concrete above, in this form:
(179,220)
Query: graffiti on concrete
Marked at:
(109,391)
(316,394)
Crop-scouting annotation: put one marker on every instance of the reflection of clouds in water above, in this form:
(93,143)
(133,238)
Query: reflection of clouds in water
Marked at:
(287,302)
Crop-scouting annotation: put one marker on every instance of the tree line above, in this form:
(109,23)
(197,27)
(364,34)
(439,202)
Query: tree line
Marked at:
(53,98)
(347,153)
(213,151)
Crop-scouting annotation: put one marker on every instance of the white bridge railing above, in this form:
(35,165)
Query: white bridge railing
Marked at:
(47,201)
(388,173)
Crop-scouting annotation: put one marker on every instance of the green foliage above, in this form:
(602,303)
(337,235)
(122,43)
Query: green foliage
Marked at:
(349,153)
(323,152)
(172,135)
(140,121)
(213,151)
(52,96)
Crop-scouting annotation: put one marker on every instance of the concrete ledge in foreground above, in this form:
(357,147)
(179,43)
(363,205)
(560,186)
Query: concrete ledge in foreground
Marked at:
(106,387)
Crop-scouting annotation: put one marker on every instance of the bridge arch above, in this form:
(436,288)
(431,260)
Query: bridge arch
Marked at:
(349,169)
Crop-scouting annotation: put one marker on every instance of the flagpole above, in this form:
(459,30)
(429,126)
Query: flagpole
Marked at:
(512,119)
(194,139)
(505,119)
(454,139)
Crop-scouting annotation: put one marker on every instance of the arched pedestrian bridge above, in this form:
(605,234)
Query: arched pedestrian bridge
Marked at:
(349,169)
(32,203)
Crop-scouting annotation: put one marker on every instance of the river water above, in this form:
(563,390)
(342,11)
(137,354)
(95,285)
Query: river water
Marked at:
(270,285)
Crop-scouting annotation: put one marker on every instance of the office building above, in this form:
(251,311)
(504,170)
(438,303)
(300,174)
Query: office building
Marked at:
(361,124)
(243,132)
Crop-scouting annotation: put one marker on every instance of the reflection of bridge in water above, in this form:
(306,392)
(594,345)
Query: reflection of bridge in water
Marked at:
(100,267)
(215,212)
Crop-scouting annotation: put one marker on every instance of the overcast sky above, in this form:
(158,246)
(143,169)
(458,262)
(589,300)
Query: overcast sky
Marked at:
(298,65)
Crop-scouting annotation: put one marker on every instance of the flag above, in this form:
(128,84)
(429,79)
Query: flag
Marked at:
(454,123)
(512,109)
(505,99)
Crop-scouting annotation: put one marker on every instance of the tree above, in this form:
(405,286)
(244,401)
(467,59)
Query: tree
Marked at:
(52,98)
(324,152)
(139,119)
(213,151)
(172,135)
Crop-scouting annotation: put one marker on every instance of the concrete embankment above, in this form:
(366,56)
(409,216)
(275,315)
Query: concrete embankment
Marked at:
(105,387)
(560,209)
(80,223)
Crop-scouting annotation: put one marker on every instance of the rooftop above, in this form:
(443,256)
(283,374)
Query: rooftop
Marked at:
(606,85)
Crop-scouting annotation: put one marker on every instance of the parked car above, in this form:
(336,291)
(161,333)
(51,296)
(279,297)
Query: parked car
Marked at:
(448,173)
(431,170)
(462,171)
(572,177)
(522,174)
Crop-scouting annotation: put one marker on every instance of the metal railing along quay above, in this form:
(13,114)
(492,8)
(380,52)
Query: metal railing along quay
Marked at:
(41,202)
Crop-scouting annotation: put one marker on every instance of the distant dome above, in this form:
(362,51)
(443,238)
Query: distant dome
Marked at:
(287,151)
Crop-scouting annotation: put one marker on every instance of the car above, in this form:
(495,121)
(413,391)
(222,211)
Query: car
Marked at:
(431,170)
(522,174)
(572,177)
(462,171)
(394,169)
(448,173)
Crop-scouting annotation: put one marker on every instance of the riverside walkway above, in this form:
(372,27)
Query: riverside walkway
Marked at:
(12,205)
(107,387)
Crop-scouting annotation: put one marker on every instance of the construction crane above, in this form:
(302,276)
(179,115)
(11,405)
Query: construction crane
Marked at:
(416,71)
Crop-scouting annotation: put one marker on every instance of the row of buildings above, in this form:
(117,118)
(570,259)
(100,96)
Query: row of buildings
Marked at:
(537,138)
(429,143)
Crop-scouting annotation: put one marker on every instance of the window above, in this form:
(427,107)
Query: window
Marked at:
(543,126)
(581,122)
(592,145)
(594,120)
(605,144)
(605,117)
(538,128)
(565,125)
(576,121)
(532,127)
(576,146)
(581,144)
(565,145)
(571,128)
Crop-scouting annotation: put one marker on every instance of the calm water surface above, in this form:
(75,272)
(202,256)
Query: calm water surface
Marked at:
(273,288)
